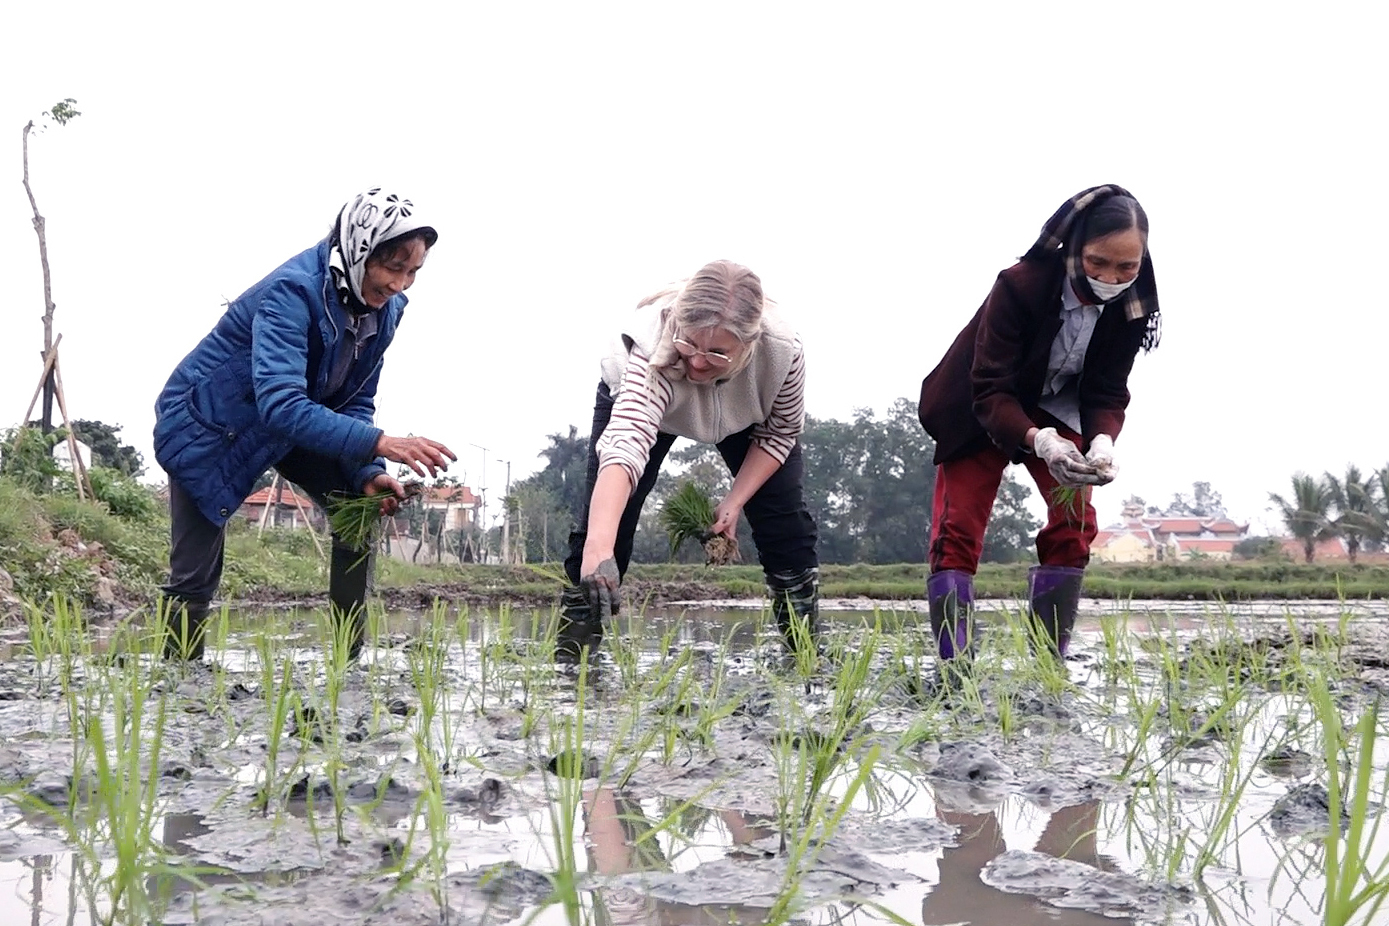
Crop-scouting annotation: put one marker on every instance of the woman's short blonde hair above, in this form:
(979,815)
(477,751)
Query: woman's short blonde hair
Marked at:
(721,295)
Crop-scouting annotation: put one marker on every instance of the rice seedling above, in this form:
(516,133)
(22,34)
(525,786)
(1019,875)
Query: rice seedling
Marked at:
(1071,500)
(689,514)
(564,794)
(277,688)
(127,790)
(354,519)
(1356,889)
(818,828)
(427,663)
(319,719)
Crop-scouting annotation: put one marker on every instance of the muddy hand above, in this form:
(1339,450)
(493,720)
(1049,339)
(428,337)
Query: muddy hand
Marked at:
(426,457)
(603,589)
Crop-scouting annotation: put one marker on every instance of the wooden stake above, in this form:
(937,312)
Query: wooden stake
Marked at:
(79,469)
(308,525)
(50,358)
(269,500)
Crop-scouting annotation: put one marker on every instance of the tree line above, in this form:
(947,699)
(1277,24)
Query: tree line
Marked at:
(1353,507)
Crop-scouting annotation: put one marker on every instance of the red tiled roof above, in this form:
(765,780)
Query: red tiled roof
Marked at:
(1131,528)
(1225,526)
(263,497)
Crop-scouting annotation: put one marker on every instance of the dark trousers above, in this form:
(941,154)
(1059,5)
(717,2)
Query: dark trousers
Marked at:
(964,499)
(782,527)
(196,544)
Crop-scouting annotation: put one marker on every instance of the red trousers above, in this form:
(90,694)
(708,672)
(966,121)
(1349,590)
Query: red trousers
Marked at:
(964,499)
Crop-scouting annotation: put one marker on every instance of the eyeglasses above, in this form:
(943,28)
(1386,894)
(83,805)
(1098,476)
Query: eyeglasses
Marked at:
(714,357)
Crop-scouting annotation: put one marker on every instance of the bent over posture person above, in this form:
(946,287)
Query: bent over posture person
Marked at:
(1039,376)
(288,378)
(708,359)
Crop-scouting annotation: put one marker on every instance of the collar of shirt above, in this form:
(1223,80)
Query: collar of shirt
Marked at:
(1070,301)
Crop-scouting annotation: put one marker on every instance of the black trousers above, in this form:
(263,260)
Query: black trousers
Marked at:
(197,545)
(782,527)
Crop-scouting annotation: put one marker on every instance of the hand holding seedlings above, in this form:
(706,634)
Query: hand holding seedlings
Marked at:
(390,490)
(426,457)
(1101,456)
(726,518)
(1063,459)
(353,519)
(691,513)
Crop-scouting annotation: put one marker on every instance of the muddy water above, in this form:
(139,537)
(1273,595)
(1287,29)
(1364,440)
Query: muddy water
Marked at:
(1029,812)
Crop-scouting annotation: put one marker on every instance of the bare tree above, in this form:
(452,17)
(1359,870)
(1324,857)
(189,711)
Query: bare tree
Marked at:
(61,113)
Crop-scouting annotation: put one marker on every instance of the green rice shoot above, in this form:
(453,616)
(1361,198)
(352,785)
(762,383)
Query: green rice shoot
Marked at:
(354,519)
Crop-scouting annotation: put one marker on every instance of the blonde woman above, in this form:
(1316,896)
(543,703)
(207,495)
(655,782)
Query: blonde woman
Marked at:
(712,360)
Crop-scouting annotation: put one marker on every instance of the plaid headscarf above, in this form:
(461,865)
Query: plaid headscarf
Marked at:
(369,219)
(1064,234)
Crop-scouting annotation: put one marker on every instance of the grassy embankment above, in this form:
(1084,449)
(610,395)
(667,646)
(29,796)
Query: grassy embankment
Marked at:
(124,548)
(55,544)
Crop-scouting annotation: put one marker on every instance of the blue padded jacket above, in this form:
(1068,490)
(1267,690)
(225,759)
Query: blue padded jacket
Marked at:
(252,390)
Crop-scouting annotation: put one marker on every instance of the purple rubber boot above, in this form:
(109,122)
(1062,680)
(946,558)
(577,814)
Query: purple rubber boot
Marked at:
(950,594)
(1054,592)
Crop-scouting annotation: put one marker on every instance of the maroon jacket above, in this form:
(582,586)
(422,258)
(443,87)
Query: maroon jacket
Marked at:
(989,382)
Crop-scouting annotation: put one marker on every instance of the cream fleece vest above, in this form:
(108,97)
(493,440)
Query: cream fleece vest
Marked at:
(712,411)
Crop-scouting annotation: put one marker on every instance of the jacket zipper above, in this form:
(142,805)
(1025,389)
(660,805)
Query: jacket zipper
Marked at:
(356,348)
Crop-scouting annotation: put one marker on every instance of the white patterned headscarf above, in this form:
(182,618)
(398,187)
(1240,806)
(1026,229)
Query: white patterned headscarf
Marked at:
(366,221)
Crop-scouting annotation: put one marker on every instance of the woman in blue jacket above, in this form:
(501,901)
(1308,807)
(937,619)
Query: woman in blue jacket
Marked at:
(287,379)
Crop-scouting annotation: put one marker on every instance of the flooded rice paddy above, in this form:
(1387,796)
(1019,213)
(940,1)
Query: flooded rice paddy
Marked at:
(1183,766)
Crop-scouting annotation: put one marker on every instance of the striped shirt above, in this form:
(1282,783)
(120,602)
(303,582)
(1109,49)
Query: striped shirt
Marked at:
(644,396)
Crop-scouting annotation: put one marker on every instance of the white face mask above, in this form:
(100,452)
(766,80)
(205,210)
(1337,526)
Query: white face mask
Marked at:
(1106,292)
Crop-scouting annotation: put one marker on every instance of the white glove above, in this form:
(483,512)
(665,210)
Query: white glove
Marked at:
(1101,456)
(1063,458)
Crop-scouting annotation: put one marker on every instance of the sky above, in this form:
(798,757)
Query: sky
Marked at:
(877,164)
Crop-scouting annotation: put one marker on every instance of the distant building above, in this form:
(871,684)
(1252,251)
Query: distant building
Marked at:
(457,503)
(62,455)
(1140,538)
(289,512)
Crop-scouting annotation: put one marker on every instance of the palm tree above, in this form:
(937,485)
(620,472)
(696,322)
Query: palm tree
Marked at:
(1379,506)
(1354,502)
(1308,515)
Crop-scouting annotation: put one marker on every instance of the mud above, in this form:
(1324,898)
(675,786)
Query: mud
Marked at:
(956,798)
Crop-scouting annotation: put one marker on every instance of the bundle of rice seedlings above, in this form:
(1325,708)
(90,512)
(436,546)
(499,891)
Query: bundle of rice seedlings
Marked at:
(689,513)
(353,519)
(1070,499)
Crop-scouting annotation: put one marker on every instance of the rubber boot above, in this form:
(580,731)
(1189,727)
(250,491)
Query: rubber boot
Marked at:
(950,595)
(796,606)
(1054,593)
(349,580)
(185,632)
(579,630)
(950,599)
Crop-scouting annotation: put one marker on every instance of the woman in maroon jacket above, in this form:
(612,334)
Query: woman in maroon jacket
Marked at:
(1039,376)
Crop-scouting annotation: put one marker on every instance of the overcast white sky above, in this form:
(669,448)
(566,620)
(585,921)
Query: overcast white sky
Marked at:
(876,164)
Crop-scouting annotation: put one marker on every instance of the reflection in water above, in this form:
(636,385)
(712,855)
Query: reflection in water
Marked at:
(963,897)
(621,839)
